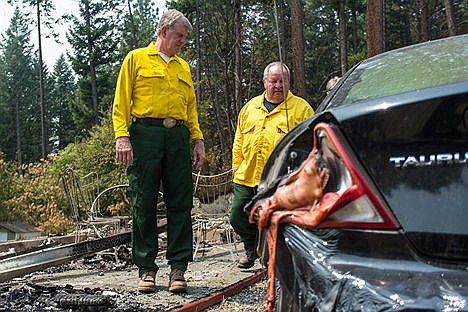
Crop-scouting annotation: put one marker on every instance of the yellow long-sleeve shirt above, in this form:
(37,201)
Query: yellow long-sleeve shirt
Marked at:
(258,132)
(148,86)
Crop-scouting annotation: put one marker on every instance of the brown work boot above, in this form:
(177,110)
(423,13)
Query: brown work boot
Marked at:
(246,262)
(146,283)
(177,283)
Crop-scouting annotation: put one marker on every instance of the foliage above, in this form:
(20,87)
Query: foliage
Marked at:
(227,56)
(214,59)
(46,8)
(95,154)
(7,188)
(62,128)
(216,161)
(138,28)
(37,196)
(43,16)
(94,39)
(20,127)
(38,199)
(104,31)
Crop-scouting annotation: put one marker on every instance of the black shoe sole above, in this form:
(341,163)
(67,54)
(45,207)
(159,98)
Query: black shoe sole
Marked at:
(147,290)
(178,289)
(246,265)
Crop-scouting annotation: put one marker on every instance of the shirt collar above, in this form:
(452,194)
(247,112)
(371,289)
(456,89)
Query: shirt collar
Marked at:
(153,51)
(288,97)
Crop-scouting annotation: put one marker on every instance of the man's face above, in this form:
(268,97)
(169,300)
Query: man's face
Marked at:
(174,38)
(276,84)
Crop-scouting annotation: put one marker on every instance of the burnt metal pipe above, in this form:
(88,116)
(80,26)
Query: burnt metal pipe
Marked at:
(39,260)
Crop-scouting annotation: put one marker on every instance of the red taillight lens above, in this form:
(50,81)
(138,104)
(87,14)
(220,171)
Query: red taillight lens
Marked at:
(362,205)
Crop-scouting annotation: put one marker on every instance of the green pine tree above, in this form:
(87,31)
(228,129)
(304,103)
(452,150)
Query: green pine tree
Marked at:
(19,87)
(94,42)
(63,129)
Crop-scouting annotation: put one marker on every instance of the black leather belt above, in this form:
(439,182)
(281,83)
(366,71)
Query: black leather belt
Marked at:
(159,122)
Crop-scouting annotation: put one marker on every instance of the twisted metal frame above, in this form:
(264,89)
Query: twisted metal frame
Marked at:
(83,197)
(212,205)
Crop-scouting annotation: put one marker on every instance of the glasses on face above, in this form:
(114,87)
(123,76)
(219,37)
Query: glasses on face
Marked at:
(274,82)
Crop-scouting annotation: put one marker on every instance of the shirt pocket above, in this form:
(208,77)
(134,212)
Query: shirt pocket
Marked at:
(148,79)
(248,140)
(281,131)
(184,85)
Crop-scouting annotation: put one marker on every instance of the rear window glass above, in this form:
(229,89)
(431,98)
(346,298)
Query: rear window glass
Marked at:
(408,69)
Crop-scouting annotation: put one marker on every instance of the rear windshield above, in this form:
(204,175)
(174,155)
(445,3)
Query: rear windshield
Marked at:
(426,65)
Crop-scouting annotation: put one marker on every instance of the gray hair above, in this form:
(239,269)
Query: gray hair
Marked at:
(267,69)
(169,18)
(331,83)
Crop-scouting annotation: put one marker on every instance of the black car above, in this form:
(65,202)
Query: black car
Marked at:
(395,130)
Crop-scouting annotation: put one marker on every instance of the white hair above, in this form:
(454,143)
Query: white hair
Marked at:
(267,69)
(331,83)
(169,18)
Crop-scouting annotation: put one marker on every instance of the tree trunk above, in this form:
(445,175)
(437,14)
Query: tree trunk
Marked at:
(237,55)
(342,36)
(424,18)
(297,46)
(41,84)
(216,105)
(19,151)
(280,31)
(354,26)
(132,25)
(450,17)
(375,30)
(92,66)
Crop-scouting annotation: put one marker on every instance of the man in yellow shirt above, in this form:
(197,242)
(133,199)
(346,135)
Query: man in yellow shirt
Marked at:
(261,124)
(155,120)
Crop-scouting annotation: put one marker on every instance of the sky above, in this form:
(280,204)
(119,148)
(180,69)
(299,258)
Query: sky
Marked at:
(50,49)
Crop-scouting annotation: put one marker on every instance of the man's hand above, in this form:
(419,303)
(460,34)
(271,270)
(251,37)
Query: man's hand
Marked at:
(123,150)
(198,153)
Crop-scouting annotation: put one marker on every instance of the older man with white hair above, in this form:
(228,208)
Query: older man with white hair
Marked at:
(261,124)
(155,121)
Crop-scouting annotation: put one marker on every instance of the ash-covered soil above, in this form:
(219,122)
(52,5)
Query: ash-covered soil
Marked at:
(107,281)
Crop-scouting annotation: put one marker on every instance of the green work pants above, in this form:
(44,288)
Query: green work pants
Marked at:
(160,155)
(240,220)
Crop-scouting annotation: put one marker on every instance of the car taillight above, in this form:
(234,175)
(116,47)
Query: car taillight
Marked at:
(364,207)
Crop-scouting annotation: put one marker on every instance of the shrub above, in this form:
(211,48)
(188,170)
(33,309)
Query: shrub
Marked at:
(7,188)
(41,201)
(97,154)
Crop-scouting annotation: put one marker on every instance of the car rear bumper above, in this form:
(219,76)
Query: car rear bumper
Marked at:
(315,274)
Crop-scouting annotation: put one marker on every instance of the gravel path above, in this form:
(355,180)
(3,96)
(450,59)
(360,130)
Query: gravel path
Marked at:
(250,299)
